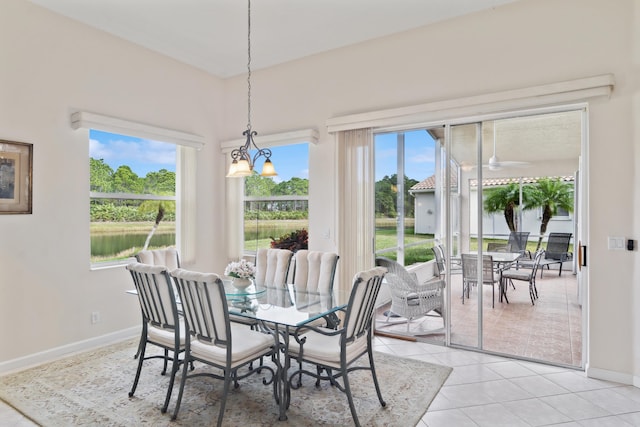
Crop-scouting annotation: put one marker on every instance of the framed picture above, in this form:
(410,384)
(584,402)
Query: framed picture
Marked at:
(16,164)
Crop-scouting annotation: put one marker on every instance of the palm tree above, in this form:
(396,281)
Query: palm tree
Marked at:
(550,194)
(505,199)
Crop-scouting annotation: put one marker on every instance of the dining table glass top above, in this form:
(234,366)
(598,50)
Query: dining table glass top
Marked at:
(285,305)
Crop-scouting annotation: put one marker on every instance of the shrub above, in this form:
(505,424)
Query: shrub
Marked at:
(294,241)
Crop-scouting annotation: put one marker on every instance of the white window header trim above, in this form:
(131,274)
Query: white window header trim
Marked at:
(86,120)
(496,102)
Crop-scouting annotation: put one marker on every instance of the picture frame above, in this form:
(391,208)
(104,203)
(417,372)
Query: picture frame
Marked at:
(16,177)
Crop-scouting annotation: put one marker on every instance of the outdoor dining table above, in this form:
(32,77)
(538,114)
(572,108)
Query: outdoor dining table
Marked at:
(281,310)
(501,261)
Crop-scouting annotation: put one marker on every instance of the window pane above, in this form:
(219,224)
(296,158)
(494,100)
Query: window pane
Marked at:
(405,207)
(277,208)
(132,185)
(386,159)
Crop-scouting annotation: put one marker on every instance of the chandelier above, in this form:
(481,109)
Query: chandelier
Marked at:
(242,162)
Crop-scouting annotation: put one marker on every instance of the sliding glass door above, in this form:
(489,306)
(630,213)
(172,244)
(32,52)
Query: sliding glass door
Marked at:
(462,171)
(501,177)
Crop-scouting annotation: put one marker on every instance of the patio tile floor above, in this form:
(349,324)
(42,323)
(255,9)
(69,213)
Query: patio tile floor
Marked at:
(549,331)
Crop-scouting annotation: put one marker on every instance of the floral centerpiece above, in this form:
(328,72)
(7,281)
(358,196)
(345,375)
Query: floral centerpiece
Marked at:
(242,271)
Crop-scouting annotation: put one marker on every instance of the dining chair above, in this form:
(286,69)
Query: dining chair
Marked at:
(525,275)
(439,254)
(166,256)
(556,251)
(470,274)
(214,340)
(272,266)
(518,242)
(314,270)
(335,351)
(409,298)
(272,269)
(161,324)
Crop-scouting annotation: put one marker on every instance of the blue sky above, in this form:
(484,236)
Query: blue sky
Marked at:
(419,155)
(144,156)
(141,155)
(289,161)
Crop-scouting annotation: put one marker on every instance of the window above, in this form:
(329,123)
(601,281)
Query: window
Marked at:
(278,208)
(132,195)
(405,195)
(562,214)
(183,145)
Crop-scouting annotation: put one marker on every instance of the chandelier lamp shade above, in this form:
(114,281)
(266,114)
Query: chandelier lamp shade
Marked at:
(242,160)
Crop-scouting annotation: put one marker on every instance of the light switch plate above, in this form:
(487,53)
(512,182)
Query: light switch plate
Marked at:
(616,243)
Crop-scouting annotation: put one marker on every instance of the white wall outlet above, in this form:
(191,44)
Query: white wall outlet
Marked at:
(95,317)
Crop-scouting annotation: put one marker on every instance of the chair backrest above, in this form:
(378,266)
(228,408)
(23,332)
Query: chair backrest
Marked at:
(156,295)
(359,315)
(518,241)
(167,257)
(557,245)
(470,268)
(398,278)
(536,262)
(314,270)
(205,306)
(272,266)
(438,252)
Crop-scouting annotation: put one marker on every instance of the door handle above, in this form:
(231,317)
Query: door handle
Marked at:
(582,256)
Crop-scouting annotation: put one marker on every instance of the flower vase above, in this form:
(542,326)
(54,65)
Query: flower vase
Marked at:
(241,283)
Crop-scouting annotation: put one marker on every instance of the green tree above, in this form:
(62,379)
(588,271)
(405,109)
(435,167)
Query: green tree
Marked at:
(258,186)
(162,183)
(294,187)
(387,196)
(506,199)
(551,194)
(100,176)
(127,181)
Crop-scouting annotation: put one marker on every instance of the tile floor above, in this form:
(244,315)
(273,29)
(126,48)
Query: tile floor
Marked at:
(486,390)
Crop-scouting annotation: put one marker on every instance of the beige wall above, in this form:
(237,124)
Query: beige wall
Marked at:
(56,65)
(52,66)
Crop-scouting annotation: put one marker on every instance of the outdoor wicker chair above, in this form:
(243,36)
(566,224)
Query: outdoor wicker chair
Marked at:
(409,298)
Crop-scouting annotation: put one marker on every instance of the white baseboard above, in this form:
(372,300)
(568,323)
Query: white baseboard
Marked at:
(31,360)
(618,377)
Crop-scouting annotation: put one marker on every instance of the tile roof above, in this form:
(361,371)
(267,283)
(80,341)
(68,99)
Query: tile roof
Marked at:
(430,182)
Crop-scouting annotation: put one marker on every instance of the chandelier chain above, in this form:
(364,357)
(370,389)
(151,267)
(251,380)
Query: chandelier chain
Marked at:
(249,68)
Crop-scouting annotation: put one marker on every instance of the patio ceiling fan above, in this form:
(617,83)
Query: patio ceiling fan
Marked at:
(497,164)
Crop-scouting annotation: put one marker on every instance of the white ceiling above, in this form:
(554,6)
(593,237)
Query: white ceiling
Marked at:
(212,34)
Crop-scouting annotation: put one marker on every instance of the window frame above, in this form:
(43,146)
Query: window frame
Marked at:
(234,198)
(186,146)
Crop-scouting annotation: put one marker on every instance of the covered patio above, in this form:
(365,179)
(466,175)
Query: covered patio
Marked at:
(549,331)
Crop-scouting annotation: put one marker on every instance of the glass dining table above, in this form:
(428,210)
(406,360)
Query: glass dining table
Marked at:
(280,310)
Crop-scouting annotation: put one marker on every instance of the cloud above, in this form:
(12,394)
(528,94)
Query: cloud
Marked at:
(140,154)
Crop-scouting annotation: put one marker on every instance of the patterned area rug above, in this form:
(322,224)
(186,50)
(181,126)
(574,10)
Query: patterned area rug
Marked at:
(91,389)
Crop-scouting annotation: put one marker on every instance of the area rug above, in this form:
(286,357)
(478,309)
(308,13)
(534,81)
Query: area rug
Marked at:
(91,389)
